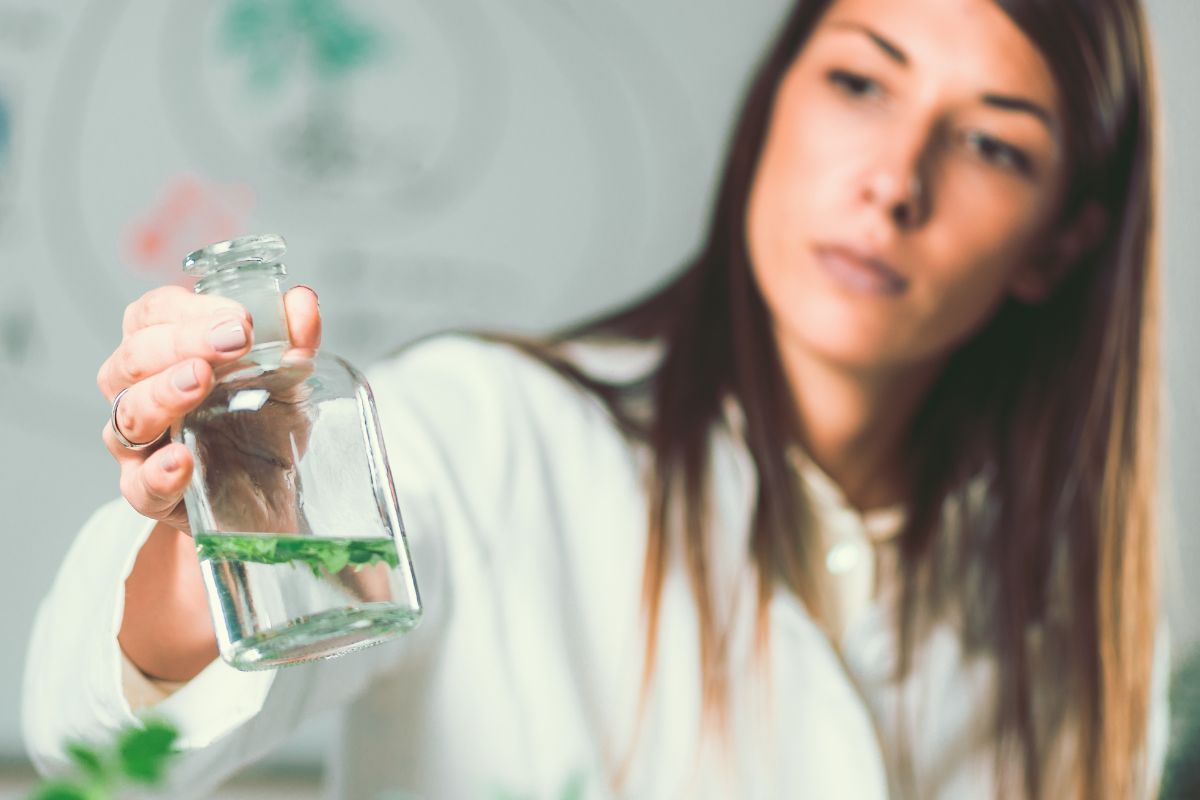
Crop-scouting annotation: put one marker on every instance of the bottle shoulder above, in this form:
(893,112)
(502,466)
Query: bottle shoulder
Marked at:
(272,360)
(288,376)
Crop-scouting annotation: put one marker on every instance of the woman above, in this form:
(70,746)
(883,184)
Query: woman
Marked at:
(893,433)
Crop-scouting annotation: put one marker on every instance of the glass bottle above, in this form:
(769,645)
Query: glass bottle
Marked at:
(291,501)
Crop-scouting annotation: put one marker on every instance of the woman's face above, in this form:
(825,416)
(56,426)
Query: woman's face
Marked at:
(911,172)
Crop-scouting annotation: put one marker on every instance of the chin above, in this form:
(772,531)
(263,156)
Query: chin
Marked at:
(857,333)
(856,357)
(853,349)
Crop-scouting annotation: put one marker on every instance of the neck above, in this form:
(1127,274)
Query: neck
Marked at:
(257,288)
(852,424)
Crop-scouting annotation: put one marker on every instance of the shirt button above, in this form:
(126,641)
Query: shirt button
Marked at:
(843,557)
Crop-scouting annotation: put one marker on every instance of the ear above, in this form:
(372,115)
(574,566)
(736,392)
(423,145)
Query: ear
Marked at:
(1035,282)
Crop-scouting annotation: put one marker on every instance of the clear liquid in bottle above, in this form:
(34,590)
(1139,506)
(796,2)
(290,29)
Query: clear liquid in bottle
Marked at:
(291,501)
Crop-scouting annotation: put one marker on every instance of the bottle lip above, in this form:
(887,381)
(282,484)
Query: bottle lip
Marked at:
(255,249)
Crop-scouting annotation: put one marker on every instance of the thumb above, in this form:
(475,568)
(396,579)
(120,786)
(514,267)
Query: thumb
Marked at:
(303,317)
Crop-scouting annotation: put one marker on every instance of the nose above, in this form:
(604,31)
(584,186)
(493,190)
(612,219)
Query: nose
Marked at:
(897,185)
(901,198)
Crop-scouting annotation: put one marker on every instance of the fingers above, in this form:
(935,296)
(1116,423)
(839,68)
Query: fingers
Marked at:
(220,337)
(173,304)
(154,486)
(172,340)
(153,405)
(169,324)
(303,317)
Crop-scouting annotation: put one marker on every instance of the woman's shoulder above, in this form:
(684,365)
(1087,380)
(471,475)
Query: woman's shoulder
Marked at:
(450,366)
(447,352)
(613,359)
(618,360)
(483,424)
(496,368)
(466,384)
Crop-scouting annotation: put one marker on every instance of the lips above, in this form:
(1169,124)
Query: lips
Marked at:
(859,271)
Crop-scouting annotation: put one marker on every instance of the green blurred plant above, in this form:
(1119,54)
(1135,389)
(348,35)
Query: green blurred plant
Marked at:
(138,756)
(141,755)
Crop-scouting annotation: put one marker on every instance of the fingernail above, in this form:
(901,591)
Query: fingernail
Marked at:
(311,290)
(170,462)
(184,378)
(227,336)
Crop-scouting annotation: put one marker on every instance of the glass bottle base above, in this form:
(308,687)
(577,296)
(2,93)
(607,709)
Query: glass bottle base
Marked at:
(325,635)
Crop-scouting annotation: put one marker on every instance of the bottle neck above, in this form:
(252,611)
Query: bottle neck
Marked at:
(255,286)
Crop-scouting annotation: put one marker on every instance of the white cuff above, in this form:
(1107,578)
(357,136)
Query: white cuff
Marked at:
(142,691)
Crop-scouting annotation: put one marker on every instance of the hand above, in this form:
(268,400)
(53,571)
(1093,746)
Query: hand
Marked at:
(172,341)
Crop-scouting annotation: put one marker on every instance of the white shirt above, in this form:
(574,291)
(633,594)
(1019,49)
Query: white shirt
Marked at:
(526,518)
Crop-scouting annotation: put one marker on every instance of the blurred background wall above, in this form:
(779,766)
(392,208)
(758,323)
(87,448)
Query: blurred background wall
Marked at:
(431,162)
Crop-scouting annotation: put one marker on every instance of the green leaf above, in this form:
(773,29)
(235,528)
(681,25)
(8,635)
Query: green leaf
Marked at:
(144,752)
(87,759)
(264,548)
(63,790)
(335,559)
(371,552)
(332,553)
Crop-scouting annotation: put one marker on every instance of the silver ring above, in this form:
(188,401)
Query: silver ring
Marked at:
(122,438)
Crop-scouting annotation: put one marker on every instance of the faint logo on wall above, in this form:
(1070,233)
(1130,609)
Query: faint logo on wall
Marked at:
(190,214)
(317,102)
(315,42)
(277,38)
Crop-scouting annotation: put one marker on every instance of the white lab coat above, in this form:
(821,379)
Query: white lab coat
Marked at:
(526,518)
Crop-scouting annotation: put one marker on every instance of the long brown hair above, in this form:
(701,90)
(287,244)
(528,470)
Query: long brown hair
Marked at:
(1056,403)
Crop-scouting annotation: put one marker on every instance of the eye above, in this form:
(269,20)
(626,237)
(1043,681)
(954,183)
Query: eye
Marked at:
(999,153)
(854,85)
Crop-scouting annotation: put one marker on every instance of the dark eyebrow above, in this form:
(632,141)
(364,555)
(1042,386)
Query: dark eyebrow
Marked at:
(890,48)
(1020,104)
(1005,102)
